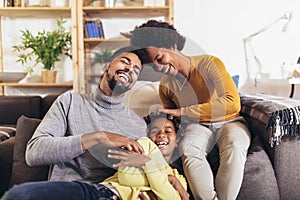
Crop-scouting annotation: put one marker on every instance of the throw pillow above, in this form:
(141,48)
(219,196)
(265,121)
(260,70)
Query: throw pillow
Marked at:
(21,172)
(6,132)
(236,79)
(143,98)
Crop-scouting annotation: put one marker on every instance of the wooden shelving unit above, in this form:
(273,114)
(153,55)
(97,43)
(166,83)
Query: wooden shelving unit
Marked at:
(37,84)
(85,45)
(36,12)
(81,46)
(32,12)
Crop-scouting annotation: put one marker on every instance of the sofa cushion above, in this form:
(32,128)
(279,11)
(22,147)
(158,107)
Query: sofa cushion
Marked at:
(21,172)
(259,180)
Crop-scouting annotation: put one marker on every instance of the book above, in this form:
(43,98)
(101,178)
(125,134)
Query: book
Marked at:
(94,28)
(17,3)
(8,3)
(88,30)
(100,28)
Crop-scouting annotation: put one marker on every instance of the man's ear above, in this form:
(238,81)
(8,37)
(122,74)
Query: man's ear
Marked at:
(106,67)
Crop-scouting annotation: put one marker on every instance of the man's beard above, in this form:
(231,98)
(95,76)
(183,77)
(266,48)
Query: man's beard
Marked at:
(117,87)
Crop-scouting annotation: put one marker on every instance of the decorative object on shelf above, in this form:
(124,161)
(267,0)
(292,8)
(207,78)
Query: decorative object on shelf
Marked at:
(126,34)
(60,3)
(49,76)
(38,3)
(133,2)
(109,3)
(286,17)
(46,47)
(97,2)
(11,77)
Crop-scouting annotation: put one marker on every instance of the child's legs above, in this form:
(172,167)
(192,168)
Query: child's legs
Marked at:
(194,147)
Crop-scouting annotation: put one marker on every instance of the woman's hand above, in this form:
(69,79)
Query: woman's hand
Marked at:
(128,158)
(173,112)
(177,185)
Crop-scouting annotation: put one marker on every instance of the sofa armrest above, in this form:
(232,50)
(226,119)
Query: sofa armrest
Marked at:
(276,121)
(6,162)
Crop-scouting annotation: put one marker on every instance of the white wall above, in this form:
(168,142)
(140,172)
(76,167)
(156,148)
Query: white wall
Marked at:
(218,27)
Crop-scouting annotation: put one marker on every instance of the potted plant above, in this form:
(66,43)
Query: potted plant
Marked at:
(46,47)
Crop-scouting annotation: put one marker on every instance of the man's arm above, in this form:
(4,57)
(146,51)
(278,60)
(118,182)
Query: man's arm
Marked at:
(51,144)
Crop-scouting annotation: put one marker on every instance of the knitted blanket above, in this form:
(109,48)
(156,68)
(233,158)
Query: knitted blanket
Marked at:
(281,115)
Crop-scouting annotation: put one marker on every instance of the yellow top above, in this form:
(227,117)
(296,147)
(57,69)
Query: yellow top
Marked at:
(129,181)
(210,95)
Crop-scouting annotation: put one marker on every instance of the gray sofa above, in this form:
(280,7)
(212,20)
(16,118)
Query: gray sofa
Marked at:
(270,172)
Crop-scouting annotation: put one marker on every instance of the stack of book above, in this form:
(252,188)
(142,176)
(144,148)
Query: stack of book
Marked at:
(10,3)
(93,28)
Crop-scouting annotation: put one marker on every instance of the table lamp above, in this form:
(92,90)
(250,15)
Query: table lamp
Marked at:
(286,17)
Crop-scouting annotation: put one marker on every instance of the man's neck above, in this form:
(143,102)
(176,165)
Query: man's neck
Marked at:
(104,87)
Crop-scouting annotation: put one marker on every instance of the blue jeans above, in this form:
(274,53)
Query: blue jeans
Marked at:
(49,190)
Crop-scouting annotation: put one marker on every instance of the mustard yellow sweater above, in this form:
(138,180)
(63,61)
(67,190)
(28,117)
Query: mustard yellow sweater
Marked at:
(130,181)
(210,94)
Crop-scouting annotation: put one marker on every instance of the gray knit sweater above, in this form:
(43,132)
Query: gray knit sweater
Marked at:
(57,140)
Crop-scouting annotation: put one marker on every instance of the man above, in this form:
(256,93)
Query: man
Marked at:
(76,133)
(200,91)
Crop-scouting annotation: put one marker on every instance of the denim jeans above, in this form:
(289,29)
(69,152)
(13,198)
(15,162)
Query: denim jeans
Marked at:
(50,190)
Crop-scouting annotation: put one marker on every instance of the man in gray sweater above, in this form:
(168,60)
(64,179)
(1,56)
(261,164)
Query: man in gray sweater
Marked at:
(77,131)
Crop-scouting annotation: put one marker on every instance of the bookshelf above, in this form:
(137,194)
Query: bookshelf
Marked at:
(32,13)
(83,76)
(87,77)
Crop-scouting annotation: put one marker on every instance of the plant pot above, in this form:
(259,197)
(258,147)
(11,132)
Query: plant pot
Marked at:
(49,76)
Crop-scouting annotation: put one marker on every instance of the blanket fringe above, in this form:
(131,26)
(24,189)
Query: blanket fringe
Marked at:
(284,122)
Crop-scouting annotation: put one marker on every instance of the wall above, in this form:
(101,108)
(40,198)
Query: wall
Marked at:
(218,27)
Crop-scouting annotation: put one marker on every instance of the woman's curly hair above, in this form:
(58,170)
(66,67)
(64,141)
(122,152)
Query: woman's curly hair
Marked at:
(157,34)
(149,119)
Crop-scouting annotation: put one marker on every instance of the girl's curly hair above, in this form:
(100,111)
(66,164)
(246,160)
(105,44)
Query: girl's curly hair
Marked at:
(149,119)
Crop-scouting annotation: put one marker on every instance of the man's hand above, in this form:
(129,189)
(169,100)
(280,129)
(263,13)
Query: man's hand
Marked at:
(110,140)
(177,185)
(128,158)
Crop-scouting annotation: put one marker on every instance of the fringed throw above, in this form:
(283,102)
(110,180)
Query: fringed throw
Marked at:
(281,115)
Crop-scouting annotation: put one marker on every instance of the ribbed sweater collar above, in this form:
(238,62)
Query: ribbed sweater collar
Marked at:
(108,102)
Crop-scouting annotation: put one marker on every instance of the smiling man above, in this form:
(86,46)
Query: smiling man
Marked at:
(77,131)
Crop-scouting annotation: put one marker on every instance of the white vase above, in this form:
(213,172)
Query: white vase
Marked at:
(60,3)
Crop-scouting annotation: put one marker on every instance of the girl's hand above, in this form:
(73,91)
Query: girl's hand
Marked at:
(180,189)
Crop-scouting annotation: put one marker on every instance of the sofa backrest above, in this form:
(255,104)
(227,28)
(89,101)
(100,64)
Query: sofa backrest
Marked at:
(12,107)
